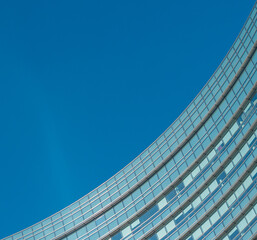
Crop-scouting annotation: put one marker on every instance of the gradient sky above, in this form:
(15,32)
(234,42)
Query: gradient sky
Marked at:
(85,86)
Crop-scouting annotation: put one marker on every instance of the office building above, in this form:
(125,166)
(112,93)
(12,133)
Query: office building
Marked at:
(198,180)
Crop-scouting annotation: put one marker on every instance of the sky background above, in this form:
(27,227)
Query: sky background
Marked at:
(85,86)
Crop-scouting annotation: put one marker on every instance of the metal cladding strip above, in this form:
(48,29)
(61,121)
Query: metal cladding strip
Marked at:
(225,197)
(235,221)
(139,183)
(205,184)
(192,166)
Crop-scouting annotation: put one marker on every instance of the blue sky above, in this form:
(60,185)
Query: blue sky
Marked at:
(85,86)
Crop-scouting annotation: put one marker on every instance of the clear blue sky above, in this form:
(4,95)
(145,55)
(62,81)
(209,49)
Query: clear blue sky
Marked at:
(85,86)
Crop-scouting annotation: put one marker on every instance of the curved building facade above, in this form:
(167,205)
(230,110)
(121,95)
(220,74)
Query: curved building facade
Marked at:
(198,180)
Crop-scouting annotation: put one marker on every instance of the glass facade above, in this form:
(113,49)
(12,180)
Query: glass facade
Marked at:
(198,180)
